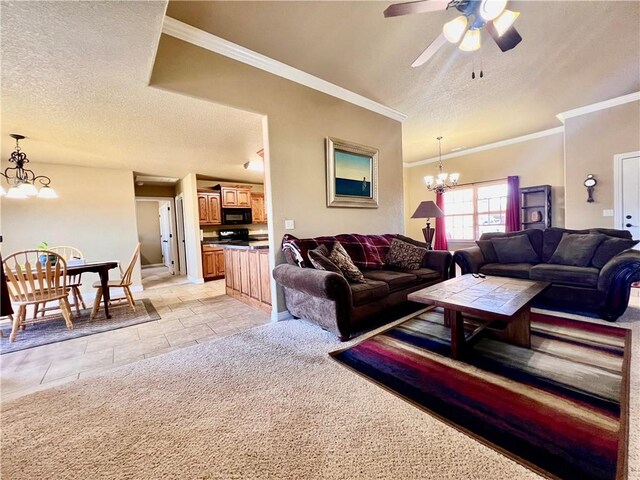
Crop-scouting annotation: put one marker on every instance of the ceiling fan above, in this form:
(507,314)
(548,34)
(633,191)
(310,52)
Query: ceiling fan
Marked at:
(492,15)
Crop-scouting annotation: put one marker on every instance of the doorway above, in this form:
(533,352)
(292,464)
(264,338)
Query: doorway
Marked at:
(157,235)
(627,192)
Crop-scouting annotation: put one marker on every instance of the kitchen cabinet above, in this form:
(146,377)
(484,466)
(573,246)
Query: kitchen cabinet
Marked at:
(212,262)
(209,208)
(258,208)
(248,276)
(235,197)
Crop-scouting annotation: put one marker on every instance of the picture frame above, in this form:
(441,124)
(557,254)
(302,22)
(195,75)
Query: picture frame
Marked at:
(352,174)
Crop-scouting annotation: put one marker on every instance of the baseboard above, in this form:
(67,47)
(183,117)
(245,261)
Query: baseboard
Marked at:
(281,316)
(195,279)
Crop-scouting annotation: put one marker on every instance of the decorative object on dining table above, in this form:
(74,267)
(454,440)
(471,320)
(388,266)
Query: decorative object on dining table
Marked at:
(352,174)
(43,258)
(23,181)
(590,182)
(442,181)
(428,209)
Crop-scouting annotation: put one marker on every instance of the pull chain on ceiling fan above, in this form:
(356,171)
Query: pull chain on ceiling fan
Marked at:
(465,29)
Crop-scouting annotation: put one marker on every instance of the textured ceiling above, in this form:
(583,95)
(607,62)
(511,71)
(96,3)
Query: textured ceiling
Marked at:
(75,82)
(573,54)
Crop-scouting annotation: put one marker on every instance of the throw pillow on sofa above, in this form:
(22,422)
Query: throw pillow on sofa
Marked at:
(342,260)
(577,250)
(516,249)
(609,249)
(404,255)
(488,252)
(319,258)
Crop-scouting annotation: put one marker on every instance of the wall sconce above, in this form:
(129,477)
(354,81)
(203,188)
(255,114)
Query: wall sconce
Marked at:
(590,183)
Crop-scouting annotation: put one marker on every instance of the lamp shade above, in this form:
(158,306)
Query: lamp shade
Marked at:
(427,209)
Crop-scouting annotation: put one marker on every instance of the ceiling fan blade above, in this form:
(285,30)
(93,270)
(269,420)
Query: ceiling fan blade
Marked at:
(430,51)
(508,40)
(422,6)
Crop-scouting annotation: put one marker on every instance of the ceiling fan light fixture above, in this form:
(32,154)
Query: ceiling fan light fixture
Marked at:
(254,165)
(504,21)
(454,29)
(491,9)
(471,41)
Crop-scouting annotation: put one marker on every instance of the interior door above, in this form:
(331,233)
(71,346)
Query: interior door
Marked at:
(630,170)
(165,235)
(182,256)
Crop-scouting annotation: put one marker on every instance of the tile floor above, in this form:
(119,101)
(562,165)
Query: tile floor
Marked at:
(190,314)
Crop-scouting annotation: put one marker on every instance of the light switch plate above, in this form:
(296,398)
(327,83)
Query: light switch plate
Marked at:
(289,225)
(607,213)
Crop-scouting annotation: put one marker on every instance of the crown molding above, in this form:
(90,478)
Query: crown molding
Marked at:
(489,146)
(594,107)
(208,41)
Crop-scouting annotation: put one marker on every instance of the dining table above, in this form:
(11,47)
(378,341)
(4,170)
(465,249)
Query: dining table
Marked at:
(102,269)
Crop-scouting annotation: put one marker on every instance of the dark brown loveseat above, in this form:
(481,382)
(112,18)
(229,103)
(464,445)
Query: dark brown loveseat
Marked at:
(602,287)
(344,308)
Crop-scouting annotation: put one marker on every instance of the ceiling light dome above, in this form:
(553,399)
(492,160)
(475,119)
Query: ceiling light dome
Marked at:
(471,41)
(490,9)
(454,29)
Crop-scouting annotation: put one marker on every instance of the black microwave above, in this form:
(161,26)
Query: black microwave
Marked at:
(236,216)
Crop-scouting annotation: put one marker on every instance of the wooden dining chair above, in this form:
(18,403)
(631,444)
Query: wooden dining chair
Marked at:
(31,283)
(125,282)
(74,281)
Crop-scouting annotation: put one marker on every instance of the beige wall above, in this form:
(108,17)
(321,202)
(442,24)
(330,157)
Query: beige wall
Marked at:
(188,187)
(536,162)
(148,221)
(95,212)
(591,141)
(299,120)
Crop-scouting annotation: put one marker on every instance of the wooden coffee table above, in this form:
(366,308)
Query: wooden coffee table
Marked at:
(496,303)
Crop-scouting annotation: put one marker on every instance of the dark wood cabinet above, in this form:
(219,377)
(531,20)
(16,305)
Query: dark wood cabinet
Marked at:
(235,197)
(212,262)
(258,208)
(209,211)
(535,207)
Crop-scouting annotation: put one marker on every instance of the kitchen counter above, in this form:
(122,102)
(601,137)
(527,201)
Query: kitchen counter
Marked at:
(249,245)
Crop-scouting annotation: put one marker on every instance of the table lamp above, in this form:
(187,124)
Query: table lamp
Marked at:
(428,210)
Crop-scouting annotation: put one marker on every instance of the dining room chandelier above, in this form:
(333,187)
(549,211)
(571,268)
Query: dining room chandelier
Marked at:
(442,181)
(23,182)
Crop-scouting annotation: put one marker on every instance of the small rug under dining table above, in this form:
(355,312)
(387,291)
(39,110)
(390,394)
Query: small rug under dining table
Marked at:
(560,408)
(53,329)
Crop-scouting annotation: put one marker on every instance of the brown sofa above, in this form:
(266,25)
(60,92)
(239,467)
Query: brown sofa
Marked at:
(344,308)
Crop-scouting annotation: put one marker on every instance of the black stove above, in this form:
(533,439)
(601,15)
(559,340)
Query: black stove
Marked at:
(233,235)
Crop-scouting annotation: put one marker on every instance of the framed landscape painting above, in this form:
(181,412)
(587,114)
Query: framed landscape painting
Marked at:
(352,175)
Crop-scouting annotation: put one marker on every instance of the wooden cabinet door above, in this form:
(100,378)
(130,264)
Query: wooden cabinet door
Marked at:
(254,274)
(265,276)
(208,264)
(203,207)
(243,198)
(219,261)
(256,210)
(235,264)
(229,197)
(229,272)
(214,212)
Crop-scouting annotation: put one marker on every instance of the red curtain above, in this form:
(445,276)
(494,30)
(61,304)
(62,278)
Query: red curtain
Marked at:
(441,234)
(513,204)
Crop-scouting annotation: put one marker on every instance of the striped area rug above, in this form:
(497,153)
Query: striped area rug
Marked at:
(559,408)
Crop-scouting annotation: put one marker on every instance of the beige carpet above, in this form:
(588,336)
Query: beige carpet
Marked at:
(266,403)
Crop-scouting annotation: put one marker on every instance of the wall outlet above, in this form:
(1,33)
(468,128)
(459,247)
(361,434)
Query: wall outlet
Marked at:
(607,213)
(289,225)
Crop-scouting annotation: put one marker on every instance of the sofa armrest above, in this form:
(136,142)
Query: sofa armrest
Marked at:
(438,260)
(470,259)
(615,281)
(317,283)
